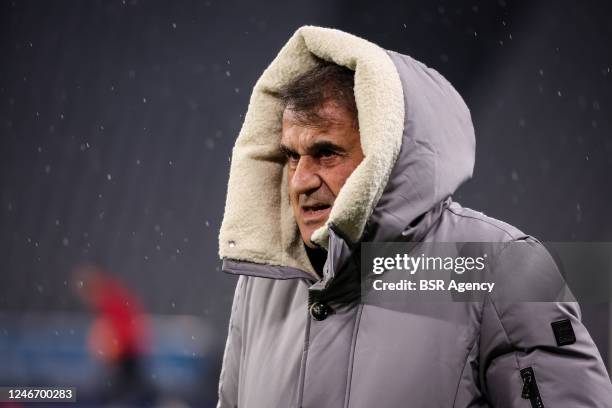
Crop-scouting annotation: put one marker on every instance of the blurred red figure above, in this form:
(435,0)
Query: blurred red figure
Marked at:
(119,335)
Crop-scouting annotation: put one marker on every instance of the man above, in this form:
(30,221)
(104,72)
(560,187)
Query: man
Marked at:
(320,140)
(345,143)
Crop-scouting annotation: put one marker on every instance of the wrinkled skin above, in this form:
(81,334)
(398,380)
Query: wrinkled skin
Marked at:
(319,159)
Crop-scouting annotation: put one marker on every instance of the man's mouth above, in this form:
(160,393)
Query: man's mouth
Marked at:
(315,212)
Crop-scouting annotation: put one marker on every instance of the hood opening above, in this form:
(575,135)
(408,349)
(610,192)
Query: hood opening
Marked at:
(266,232)
(416,135)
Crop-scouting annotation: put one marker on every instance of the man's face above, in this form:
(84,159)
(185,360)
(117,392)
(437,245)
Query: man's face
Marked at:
(319,160)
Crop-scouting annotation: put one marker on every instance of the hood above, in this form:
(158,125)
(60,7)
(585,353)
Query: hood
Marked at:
(416,135)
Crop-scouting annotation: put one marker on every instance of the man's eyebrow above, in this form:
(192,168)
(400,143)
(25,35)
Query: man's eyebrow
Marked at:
(286,150)
(321,145)
(314,148)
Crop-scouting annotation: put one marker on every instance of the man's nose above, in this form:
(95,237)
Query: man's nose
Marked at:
(305,177)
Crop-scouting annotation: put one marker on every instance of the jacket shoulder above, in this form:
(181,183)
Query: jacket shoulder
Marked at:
(462,224)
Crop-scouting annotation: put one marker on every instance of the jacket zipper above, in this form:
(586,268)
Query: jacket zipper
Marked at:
(530,388)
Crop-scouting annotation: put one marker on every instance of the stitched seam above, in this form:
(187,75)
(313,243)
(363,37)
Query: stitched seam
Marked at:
(481,220)
(518,367)
(476,342)
(349,377)
(241,267)
(435,222)
(462,370)
(264,275)
(302,375)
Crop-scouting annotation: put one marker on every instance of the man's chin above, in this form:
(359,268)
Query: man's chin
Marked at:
(307,235)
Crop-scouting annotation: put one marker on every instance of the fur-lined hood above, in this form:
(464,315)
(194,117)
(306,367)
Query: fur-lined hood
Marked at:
(417,139)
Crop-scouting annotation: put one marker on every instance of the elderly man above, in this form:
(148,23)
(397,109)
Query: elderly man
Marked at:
(346,143)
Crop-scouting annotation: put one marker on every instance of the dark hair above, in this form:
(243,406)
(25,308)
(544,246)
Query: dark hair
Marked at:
(307,93)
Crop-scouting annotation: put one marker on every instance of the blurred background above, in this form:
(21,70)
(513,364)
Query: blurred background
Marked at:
(117,120)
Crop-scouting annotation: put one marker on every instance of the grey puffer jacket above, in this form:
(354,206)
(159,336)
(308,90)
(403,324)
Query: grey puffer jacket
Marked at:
(297,340)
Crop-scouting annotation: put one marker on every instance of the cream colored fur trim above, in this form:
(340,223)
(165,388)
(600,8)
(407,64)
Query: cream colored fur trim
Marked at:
(258,224)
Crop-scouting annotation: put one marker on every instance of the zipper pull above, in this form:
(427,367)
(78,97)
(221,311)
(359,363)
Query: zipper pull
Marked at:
(527,378)
(530,388)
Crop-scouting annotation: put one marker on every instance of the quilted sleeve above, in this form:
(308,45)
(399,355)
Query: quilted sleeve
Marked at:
(534,349)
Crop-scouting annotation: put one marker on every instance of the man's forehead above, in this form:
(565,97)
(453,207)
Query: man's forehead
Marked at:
(295,131)
(328,109)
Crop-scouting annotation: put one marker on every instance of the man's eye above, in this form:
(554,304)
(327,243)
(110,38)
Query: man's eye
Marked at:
(325,154)
(292,157)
